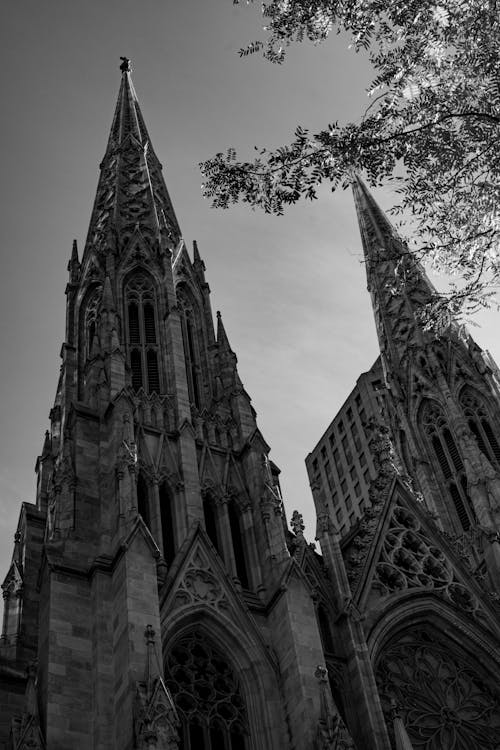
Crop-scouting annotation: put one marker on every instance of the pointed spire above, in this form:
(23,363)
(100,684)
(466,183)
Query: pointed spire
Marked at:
(397,283)
(373,223)
(74,264)
(131,191)
(222,338)
(198,264)
(108,301)
(47,445)
(196,253)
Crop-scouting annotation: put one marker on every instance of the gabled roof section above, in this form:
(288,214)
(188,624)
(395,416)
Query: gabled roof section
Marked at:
(400,551)
(131,189)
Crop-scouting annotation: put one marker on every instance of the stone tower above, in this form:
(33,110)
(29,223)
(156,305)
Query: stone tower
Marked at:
(442,393)
(410,610)
(152,593)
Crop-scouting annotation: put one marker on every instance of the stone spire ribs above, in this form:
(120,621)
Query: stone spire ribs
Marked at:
(131,191)
(397,283)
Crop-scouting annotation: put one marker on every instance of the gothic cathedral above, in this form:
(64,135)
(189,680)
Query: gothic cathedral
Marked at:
(157,600)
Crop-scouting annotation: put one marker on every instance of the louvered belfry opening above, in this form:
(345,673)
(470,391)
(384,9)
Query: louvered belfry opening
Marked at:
(449,460)
(142,333)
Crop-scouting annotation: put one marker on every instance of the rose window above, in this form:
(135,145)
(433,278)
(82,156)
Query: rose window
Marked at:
(446,703)
(207,696)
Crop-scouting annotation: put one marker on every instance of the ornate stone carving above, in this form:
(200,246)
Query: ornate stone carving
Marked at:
(446,703)
(199,584)
(156,721)
(409,559)
(206,691)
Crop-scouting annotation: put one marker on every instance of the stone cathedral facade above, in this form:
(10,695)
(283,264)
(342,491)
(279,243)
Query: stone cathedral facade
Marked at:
(157,599)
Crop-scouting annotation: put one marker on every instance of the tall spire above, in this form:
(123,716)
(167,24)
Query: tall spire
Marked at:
(131,193)
(397,283)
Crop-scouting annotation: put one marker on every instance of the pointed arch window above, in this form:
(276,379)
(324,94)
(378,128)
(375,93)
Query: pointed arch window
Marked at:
(480,425)
(207,696)
(210,517)
(238,543)
(167,522)
(450,462)
(142,333)
(90,322)
(191,348)
(325,629)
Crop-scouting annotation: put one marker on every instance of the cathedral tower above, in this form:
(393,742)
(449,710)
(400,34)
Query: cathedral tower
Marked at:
(413,586)
(442,393)
(152,579)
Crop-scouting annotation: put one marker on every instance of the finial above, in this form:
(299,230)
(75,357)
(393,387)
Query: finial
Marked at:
(297,524)
(125,65)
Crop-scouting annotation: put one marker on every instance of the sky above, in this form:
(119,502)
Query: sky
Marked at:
(291,289)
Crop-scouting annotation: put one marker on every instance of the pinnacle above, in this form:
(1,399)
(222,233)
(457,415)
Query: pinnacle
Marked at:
(107,302)
(222,338)
(196,253)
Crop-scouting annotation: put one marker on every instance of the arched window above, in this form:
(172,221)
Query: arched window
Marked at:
(191,347)
(167,522)
(238,543)
(211,522)
(450,462)
(479,424)
(207,696)
(90,321)
(325,629)
(142,333)
(143,500)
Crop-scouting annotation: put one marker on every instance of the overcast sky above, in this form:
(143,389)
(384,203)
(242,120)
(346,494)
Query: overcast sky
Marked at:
(291,289)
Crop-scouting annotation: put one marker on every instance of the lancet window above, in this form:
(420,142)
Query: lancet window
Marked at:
(191,348)
(210,515)
(238,543)
(480,425)
(167,522)
(143,339)
(143,500)
(325,629)
(207,695)
(449,460)
(91,320)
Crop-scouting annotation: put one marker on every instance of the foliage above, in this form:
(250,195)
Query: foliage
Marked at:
(432,127)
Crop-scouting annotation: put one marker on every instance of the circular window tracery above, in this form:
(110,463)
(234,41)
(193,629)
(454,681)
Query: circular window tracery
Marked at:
(207,695)
(446,703)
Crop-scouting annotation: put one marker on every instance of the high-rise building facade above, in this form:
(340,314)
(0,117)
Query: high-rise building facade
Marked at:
(340,467)
(156,599)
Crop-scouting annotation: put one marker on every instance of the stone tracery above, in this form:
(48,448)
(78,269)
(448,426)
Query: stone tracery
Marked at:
(409,559)
(446,703)
(207,695)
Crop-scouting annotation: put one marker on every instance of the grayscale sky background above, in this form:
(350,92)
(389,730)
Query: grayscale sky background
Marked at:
(291,289)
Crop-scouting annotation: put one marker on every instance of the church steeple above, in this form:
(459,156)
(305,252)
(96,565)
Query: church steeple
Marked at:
(131,193)
(397,283)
